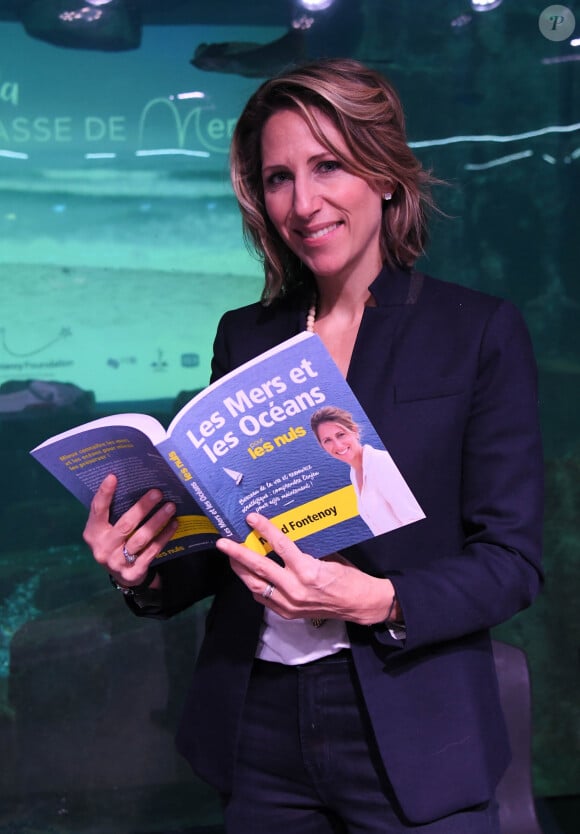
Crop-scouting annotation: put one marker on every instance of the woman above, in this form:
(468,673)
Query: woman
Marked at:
(384,500)
(355,725)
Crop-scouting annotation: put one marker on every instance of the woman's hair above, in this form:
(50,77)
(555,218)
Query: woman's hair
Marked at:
(367,111)
(333,414)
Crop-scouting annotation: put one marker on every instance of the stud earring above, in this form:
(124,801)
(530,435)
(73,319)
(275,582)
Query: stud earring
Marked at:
(387,195)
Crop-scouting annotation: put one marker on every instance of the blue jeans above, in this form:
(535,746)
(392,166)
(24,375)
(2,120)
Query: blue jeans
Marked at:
(307,762)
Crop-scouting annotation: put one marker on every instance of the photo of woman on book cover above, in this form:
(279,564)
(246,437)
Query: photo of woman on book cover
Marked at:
(384,500)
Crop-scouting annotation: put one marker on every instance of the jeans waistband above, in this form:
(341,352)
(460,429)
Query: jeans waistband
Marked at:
(341,657)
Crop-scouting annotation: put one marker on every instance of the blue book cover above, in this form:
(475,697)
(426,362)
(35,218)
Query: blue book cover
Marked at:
(282,435)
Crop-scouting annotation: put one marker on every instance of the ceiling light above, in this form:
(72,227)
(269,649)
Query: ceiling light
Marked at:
(315,5)
(485,5)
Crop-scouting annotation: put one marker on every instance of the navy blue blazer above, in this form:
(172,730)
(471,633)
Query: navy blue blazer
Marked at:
(447,376)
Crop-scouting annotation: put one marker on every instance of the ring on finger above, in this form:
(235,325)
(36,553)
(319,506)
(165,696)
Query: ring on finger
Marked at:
(268,590)
(130,558)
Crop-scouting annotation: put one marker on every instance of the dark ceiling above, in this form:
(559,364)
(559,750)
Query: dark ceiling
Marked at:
(116,25)
(174,12)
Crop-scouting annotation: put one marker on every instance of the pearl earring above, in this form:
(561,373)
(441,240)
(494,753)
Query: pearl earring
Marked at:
(387,195)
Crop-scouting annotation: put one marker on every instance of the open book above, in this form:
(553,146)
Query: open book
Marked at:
(246,444)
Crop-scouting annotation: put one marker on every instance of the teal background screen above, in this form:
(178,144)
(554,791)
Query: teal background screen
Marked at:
(121,247)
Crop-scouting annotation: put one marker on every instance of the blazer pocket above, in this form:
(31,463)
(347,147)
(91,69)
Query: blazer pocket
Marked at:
(431,389)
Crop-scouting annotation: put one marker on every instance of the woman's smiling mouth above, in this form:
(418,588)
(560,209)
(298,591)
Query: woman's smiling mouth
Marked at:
(320,233)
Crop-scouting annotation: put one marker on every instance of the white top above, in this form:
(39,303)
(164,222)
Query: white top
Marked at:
(385,502)
(293,642)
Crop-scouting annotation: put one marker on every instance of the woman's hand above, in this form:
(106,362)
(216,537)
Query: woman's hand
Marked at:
(330,588)
(109,542)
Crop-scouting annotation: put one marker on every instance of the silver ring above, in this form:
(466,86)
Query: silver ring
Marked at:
(130,558)
(268,590)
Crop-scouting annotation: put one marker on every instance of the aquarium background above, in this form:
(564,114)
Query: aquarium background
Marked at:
(120,248)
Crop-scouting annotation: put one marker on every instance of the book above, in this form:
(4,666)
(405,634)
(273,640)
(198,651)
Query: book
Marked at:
(245,443)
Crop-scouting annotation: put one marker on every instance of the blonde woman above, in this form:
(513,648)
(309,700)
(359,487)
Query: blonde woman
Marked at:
(308,711)
(384,500)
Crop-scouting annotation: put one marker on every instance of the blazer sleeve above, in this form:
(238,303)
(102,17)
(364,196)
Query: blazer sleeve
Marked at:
(497,571)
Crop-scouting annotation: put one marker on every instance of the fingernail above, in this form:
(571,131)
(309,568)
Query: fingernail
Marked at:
(169,509)
(253,518)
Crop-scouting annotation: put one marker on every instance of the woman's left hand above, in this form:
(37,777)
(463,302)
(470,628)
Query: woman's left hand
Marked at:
(305,587)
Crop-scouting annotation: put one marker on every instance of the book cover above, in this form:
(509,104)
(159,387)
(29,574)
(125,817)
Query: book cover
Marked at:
(125,445)
(246,443)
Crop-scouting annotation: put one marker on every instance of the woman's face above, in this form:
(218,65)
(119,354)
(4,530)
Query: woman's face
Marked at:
(340,442)
(330,218)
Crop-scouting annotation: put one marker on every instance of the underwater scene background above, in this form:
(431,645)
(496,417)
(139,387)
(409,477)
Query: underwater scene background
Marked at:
(120,248)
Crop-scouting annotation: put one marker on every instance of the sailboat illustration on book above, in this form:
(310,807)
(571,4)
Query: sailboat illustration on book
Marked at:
(237,477)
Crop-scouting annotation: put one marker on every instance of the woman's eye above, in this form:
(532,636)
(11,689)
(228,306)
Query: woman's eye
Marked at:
(277,178)
(328,166)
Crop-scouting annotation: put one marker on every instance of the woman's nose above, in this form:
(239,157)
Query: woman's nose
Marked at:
(307,198)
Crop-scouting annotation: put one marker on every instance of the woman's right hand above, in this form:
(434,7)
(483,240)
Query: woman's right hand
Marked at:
(107,541)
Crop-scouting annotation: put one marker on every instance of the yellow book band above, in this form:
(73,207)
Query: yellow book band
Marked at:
(191,525)
(309,518)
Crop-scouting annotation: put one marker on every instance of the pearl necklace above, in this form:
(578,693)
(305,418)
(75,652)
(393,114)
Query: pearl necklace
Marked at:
(311,316)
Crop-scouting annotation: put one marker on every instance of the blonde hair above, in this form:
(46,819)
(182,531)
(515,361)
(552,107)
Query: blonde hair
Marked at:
(367,111)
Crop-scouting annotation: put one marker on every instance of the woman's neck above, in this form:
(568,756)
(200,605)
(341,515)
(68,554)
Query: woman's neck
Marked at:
(342,310)
(344,300)
(336,319)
